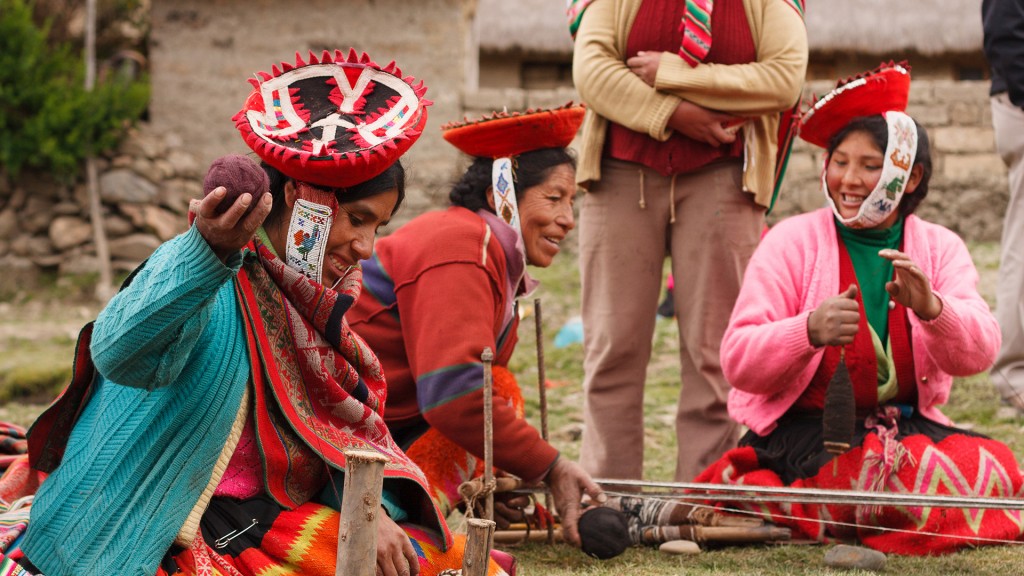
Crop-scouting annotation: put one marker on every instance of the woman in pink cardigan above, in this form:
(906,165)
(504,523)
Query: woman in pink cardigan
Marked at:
(849,328)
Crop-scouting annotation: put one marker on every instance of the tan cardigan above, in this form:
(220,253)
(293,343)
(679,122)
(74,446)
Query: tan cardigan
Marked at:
(758,90)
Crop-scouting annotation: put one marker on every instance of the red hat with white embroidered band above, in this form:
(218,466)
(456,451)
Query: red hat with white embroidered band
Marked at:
(503,135)
(884,89)
(333,120)
(883,92)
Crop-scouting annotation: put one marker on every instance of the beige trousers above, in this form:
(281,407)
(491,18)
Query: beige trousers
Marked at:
(622,250)
(1008,372)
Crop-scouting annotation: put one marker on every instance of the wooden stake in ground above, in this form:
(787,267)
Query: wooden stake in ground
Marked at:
(104,288)
(487,356)
(543,395)
(360,505)
(478,547)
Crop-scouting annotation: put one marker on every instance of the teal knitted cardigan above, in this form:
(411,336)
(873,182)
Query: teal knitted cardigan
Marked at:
(172,356)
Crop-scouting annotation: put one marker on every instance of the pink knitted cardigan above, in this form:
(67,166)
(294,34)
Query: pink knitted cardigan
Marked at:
(767,356)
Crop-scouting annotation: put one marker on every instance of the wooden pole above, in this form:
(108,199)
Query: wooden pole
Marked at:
(104,288)
(360,505)
(542,392)
(478,547)
(519,536)
(488,357)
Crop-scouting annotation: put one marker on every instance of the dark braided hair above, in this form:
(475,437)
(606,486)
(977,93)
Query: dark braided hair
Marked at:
(392,178)
(529,169)
(878,129)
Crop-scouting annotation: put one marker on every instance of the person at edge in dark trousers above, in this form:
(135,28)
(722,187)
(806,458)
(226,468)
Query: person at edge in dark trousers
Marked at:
(1003,25)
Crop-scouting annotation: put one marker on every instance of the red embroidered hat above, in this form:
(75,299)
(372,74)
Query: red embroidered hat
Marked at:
(504,134)
(333,121)
(884,89)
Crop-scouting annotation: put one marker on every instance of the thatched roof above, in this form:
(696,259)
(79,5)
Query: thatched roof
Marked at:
(865,26)
(523,26)
(881,26)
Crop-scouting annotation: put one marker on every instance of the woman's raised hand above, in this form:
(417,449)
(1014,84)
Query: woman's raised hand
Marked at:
(911,287)
(835,321)
(228,232)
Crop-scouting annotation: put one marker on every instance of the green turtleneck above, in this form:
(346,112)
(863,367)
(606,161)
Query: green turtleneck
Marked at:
(872,270)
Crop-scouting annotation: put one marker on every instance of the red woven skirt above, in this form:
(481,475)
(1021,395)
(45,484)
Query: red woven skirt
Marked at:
(891,454)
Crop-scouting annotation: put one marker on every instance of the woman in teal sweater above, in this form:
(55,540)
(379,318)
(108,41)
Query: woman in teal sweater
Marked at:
(228,382)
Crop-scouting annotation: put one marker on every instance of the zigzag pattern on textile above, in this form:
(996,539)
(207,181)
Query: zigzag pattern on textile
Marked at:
(958,465)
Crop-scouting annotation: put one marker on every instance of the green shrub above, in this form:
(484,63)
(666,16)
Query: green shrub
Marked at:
(48,120)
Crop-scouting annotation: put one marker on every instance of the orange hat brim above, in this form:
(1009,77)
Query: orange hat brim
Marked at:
(505,134)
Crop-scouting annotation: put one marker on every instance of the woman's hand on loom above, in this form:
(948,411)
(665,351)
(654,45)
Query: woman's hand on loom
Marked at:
(509,509)
(395,554)
(835,321)
(568,482)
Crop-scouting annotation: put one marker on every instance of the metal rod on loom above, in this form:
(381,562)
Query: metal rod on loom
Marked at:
(704,491)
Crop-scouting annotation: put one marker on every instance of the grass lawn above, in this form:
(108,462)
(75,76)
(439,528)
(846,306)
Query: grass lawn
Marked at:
(36,346)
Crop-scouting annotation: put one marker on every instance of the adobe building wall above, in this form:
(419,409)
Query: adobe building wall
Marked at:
(202,52)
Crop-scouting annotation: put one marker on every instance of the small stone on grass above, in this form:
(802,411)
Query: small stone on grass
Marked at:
(845,556)
(680,547)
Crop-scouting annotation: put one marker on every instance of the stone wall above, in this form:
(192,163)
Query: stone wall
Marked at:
(146,184)
(144,190)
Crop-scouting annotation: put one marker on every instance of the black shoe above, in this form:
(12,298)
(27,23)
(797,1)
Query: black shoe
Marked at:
(667,308)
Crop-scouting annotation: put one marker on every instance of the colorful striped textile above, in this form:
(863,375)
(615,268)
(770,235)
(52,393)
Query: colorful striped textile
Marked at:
(696,31)
(8,567)
(701,16)
(12,443)
(17,489)
(574,10)
(797,5)
(257,537)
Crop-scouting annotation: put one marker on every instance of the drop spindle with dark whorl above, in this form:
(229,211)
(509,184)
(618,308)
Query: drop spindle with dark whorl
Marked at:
(839,418)
(604,533)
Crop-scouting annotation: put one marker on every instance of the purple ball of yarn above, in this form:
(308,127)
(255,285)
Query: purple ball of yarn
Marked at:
(604,533)
(237,174)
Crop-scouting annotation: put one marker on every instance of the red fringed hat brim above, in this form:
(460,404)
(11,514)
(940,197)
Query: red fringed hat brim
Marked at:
(505,134)
(884,89)
(333,121)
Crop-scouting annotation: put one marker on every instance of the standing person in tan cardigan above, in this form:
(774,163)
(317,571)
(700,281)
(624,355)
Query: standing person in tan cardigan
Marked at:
(678,157)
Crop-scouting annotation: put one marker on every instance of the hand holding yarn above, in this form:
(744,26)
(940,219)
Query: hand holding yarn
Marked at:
(835,321)
(235,203)
(238,175)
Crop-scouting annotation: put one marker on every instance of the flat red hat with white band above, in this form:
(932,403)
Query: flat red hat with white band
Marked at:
(333,120)
(883,92)
(884,89)
(503,135)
